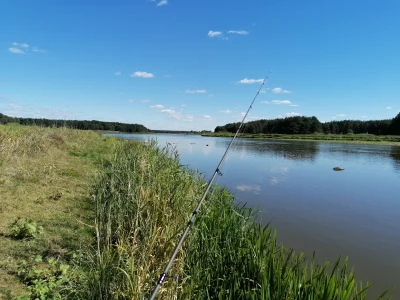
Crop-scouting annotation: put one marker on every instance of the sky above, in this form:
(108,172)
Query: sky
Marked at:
(194,65)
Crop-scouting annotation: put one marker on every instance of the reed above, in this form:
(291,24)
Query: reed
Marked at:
(143,199)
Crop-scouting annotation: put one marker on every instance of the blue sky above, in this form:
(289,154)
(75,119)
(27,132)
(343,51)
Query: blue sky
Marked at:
(192,65)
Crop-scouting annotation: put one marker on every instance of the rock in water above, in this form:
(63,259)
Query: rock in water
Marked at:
(338,169)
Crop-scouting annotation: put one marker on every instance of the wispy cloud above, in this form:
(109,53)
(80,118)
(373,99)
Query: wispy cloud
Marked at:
(211,95)
(256,189)
(35,49)
(195,91)
(340,115)
(23,48)
(207,117)
(279,90)
(240,32)
(177,115)
(159,106)
(250,81)
(142,74)
(117,73)
(292,114)
(226,111)
(285,102)
(281,102)
(388,107)
(16,50)
(162,3)
(142,101)
(22,45)
(213,34)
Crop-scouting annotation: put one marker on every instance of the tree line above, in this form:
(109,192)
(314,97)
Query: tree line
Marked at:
(76,124)
(308,125)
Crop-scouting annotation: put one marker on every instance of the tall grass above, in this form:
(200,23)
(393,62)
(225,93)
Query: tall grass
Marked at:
(230,256)
(143,199)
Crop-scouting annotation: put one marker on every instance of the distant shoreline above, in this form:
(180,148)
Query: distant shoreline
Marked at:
(391,140)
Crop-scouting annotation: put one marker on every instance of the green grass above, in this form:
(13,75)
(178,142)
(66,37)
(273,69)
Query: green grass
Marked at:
(41,181)
(143,201)
(343,138)
(100,218)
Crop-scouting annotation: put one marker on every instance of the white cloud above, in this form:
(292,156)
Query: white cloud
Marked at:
(183,105)
(35,49)
(249,188)
(162,3)
(293,105)
(388,107)
(16,50)
(22,45)
(251,81)
(279,90)
(177,115)
(168,111)
(142,74)
(195,91)
(207,117)
(117,73)
(340,115)
(240,32)
(292,114)
(263,91)
(333,118)
(159,106)
(212,34)
(23,48)
(227,111)
(281,102)
(142,101)
(264,102)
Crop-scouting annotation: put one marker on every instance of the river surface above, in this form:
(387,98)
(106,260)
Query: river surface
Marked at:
(353,213)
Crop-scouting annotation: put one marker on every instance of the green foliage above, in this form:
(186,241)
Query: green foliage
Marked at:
(25,229)
(48,279)
(76,124)
(395,128)
(230,256)
(308,125)
(142,202)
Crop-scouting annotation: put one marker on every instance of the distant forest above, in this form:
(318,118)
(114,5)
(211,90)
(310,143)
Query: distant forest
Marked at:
(82,125)
(307,125)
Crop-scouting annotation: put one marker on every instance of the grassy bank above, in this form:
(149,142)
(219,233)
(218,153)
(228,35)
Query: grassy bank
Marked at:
(111,213)
(143,201)
(44,180)
(342,138)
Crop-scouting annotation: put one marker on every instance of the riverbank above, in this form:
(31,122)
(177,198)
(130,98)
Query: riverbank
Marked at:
(46,213)
(112,239)
(393,140)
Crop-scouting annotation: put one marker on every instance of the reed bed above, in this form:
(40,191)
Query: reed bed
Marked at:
(143,199)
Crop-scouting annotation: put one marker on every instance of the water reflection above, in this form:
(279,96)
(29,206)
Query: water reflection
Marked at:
(395,155)
(353,213)
(299,151)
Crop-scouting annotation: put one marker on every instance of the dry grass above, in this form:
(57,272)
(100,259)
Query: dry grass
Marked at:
(45,176)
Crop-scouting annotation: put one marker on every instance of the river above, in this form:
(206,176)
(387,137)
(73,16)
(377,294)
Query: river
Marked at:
(353,213)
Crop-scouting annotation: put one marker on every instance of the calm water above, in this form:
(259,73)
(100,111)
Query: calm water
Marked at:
(354,213)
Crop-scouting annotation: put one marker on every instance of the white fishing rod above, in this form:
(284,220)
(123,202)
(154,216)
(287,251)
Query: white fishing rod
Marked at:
(193,217)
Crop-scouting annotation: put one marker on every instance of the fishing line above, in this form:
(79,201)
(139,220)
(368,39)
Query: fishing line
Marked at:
(193,217)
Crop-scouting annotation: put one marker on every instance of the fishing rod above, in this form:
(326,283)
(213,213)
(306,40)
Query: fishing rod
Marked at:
(192,218)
